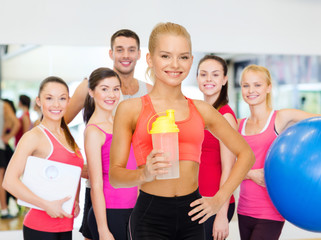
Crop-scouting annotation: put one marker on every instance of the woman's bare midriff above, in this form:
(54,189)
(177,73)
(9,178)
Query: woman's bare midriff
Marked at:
(185,184)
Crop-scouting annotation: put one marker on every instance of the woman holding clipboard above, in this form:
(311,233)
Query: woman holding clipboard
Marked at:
(50,140)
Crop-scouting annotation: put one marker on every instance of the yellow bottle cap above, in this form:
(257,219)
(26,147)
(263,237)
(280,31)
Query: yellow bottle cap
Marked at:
(164,124)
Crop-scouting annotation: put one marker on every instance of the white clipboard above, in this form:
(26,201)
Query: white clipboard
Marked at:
(51,180)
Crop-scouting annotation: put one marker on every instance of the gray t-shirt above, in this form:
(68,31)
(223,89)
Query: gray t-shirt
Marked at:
(142,90)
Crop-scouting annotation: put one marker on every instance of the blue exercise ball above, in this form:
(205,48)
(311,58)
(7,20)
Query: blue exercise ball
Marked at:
(293,174)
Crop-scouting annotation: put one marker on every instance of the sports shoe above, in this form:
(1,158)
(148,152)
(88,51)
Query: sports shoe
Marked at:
(7,216)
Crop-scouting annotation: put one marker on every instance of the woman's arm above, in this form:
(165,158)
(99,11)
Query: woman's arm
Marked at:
(77,207)
(94,140)
(288,117)
(26,123)
(223,131)
(257,176)
(77,101)
(12,183)
(84,172)
(124,126)
(221,227)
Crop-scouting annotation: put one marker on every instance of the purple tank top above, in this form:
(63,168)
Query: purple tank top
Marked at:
(120,197)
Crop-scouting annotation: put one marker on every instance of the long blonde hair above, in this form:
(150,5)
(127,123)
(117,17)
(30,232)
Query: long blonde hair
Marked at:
(165,28)
(267,78)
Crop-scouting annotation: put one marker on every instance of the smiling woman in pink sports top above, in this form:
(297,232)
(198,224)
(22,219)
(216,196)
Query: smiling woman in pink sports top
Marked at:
(50,140)
(111,208)
(172,208)
(257,216)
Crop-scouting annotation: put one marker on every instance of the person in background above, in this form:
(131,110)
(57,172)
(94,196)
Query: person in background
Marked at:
(9,126)
(10,102)
(257,216)
(108,218)
(216,160)
(9,152)
(24,105)
(37,109)
(171,208)
(52,140)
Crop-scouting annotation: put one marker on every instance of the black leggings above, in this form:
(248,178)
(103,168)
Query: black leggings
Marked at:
(31,234)
(117,223)
(209,222)
(84,229)
(255,228)
(164,218)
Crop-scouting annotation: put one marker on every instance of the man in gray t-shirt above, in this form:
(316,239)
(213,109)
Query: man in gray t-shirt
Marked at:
(125,52)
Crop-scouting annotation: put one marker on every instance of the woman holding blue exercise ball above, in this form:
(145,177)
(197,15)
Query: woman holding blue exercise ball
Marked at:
(257,216)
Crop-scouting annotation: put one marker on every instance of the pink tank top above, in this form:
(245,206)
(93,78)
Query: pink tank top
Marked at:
(210,171)
(254,200)
(40,220)
(120,197)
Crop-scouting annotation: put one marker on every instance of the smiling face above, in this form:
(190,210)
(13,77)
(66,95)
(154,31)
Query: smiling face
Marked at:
(106,94)
(255,89)
(125,54)
(53,100)
(211,77)
(171,60)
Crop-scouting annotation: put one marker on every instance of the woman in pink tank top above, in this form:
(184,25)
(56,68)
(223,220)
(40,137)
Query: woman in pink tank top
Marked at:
(51,140)
(258,218)
(111,208)
(216,160)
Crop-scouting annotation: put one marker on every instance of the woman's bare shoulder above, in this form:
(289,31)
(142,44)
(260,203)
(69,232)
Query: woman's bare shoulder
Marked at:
(204,108)
(201,105)
(130,106)
(32,140)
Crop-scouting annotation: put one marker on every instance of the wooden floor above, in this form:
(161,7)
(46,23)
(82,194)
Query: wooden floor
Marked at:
(11,224)
(8,227)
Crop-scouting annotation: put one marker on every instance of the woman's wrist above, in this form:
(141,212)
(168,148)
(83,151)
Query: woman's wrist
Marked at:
(142,177)
(248,175)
